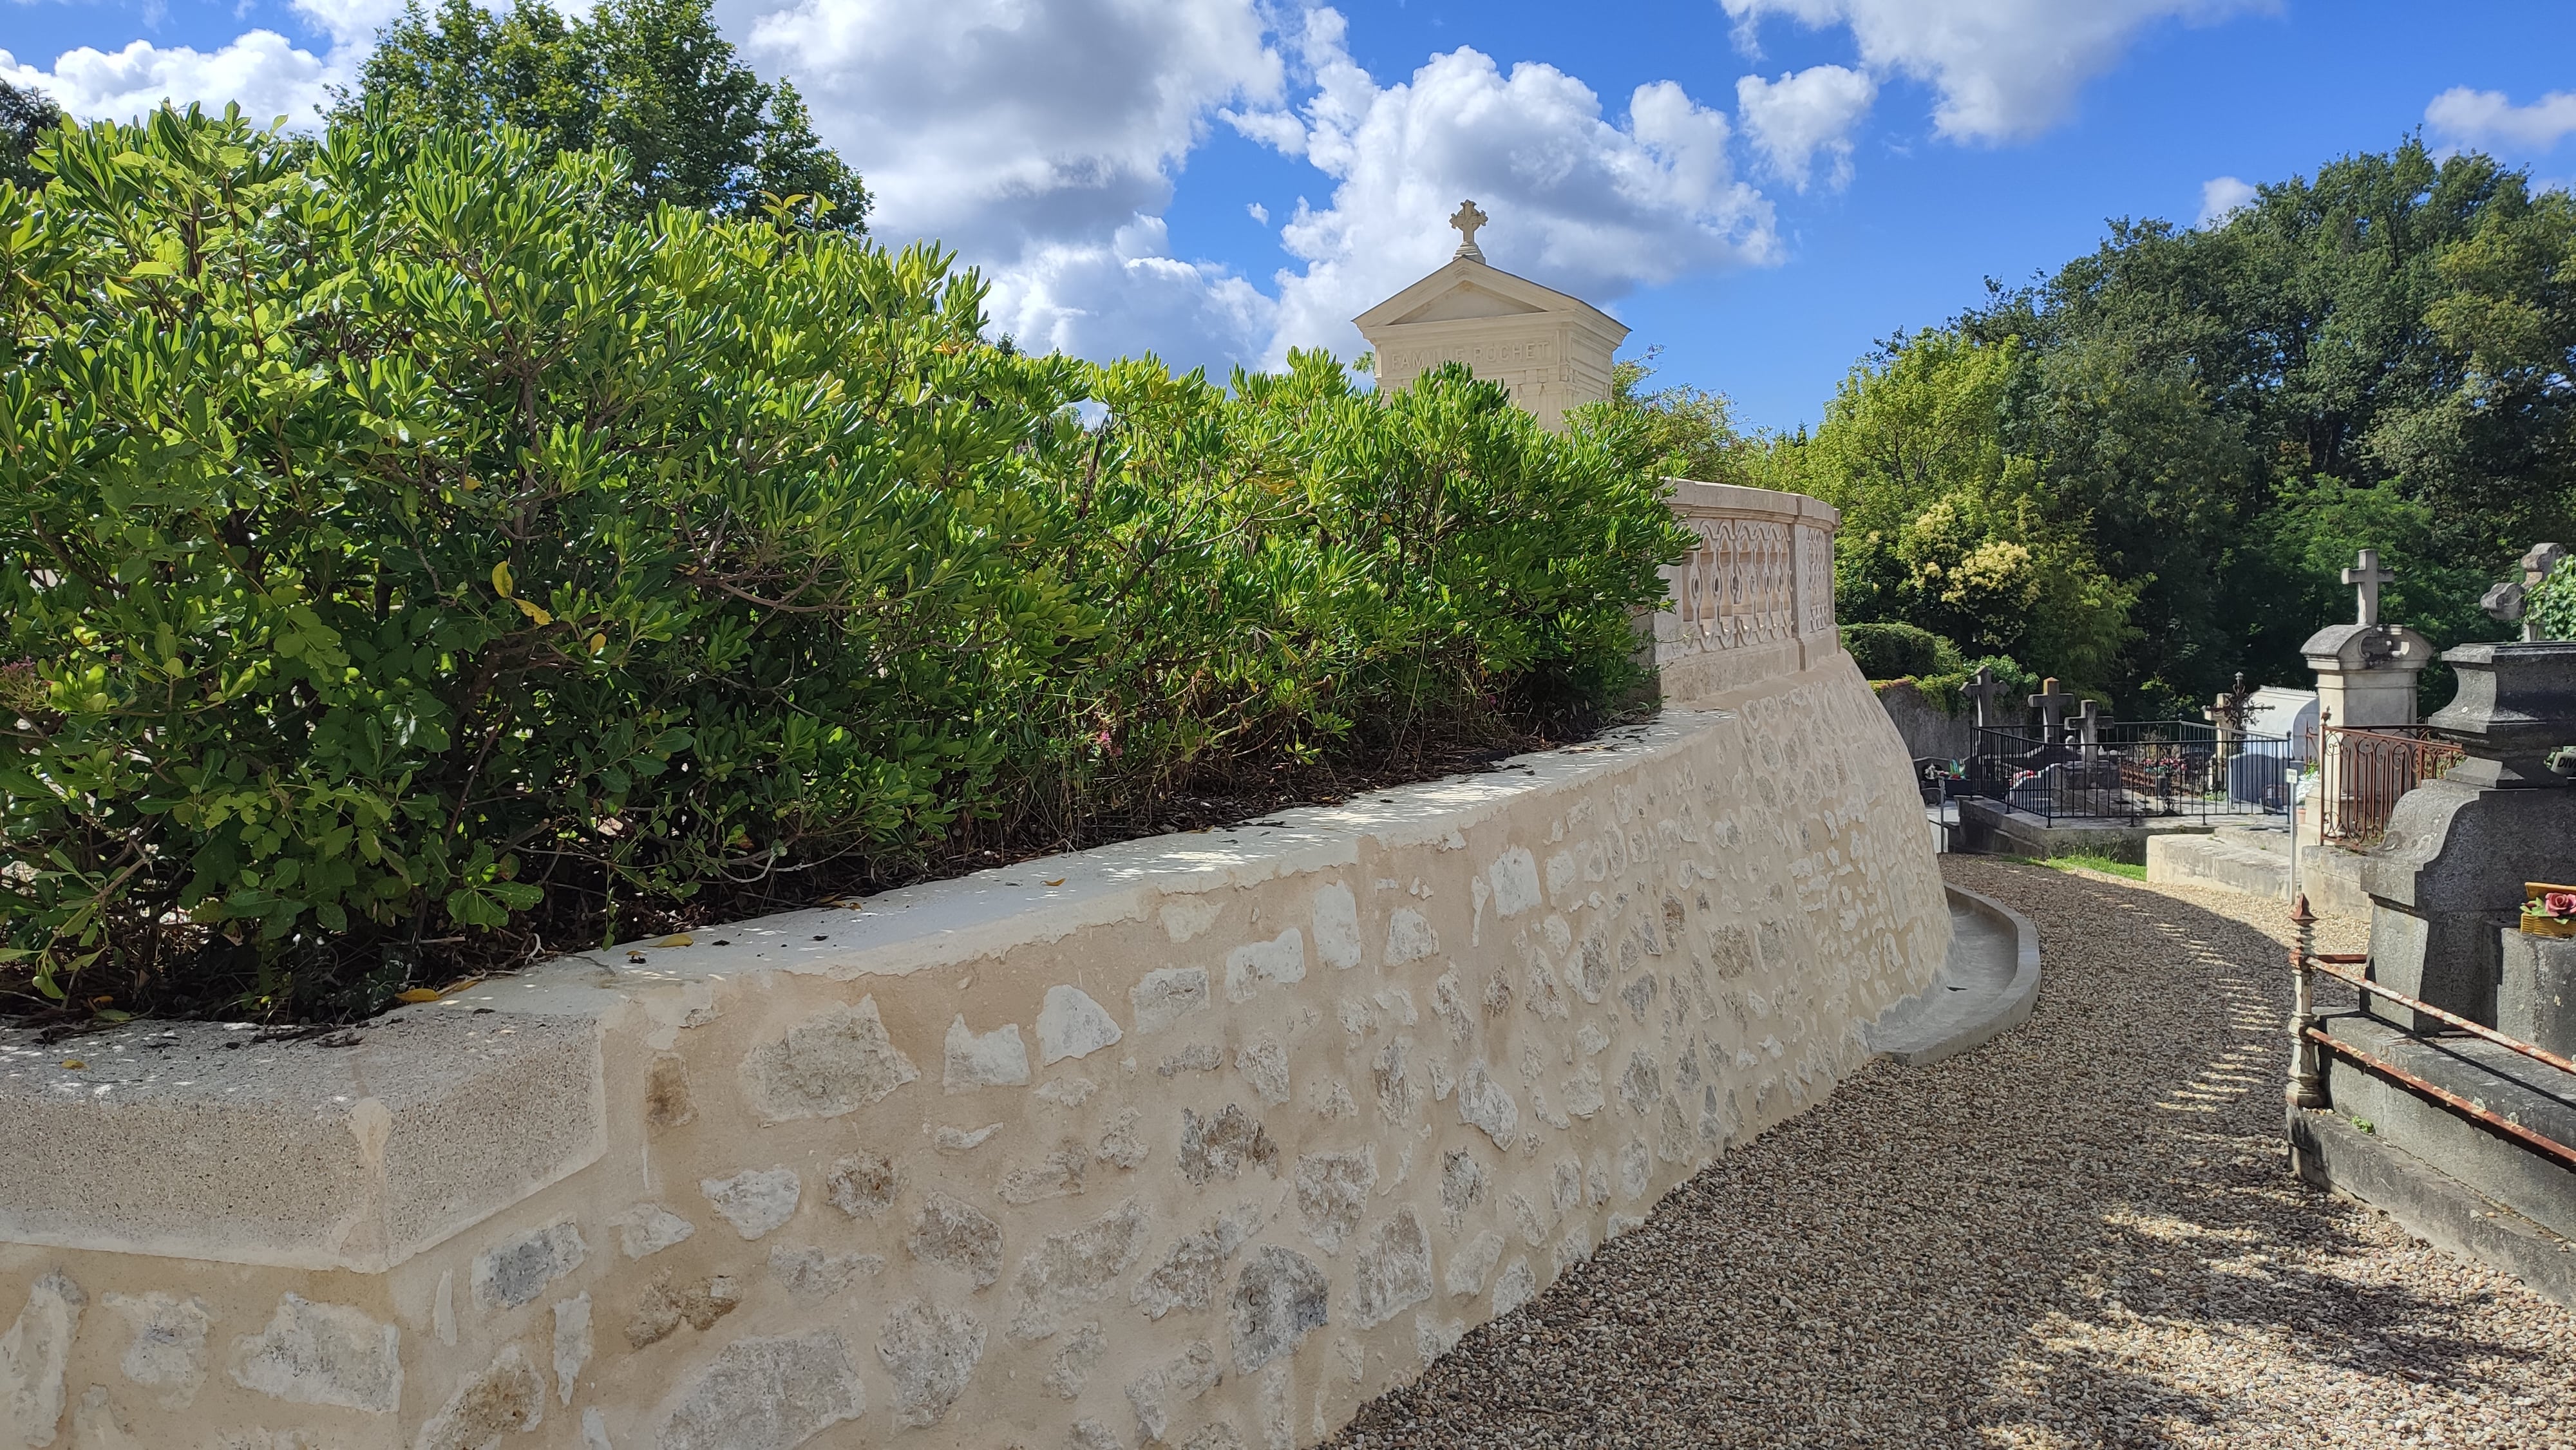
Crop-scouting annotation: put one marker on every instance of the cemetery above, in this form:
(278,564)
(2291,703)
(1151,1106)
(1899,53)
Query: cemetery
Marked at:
(629,827)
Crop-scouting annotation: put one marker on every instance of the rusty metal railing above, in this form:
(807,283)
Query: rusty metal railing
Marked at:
(2363,772)
(2306,1088)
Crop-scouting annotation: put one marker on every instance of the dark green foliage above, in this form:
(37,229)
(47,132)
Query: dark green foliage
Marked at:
(651,77)
(25,117)
(2551,606)
(1889,651)
(1691,432)
(409,562)
(2376,356)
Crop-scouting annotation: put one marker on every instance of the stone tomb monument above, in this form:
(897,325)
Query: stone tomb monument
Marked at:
(2366,670)
(1553,351)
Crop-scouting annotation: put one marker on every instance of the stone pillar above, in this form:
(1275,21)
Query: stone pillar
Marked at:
(2366,670)
(2446,883)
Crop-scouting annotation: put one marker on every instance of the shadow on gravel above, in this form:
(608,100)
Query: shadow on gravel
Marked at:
(2083,1233)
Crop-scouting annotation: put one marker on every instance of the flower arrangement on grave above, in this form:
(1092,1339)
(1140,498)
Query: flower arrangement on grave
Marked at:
(2548,910)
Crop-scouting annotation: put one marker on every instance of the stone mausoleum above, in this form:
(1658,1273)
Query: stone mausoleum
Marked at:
(1553,351)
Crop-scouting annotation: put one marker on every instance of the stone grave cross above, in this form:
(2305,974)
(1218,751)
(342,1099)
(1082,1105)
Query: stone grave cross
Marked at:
(2366,579)
(2511,601)
(2088,729)
(2051,704)
(1467,219)
(1982,690)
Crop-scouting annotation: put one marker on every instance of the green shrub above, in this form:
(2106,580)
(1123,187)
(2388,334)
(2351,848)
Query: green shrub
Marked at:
(2551,604)
(410,566)
(1897,651)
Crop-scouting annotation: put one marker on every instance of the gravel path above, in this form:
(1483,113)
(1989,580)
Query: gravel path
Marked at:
(2085,1233)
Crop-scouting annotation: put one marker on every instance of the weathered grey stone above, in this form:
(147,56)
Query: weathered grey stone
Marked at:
(929,1352)
(1337,926)
(1263,1061)
(1573,1249)
(862,1185)
(1166,995)
(1218,1436)
(767,1394)
(1465,1278)
(756,1200)
(832,1063)
(1409,937)
(1525,1217)
(1592,972)
(516,1271)
(667,1101)
(1071,1024)
(323,1354)
(1185,1279)
(1639,995)
(1281,959)
(1636,1169)
(1582,1094)
(1121,1144)
(1092,1435)
(1515,1287)
(984,1059)
(508,1395)
(572,1342)
(1641,1086)
(1462,1185)
(1157,1392)
(1482,1103)
(594,1430)
(1515,878)
(664,1307)
(1197,1057)
(97,1426)
(1279,1298)
(33,1356)
(1565,1183)
(1394,1270)
(1071,1368)
(1222,1146)
(1497,998)
(1433,1337)
(962,1140)
(649,1228)
(1067,1270)
(1332,1192)
(1396,1095)
(168,1350)
(811,1273)
(1059,1175)
(957,1235)
(1068,1092)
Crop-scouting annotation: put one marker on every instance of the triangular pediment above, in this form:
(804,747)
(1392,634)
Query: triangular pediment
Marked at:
(1466,289)
(1470,300)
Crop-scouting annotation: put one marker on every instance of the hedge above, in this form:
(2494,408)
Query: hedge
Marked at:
(409,567)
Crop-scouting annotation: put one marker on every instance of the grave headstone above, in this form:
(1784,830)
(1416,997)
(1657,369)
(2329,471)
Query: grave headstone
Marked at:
(1982,691)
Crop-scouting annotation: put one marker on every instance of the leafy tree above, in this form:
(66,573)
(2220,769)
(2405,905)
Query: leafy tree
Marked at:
(1944,524)
(652,77)
(1690,431)
(25,117)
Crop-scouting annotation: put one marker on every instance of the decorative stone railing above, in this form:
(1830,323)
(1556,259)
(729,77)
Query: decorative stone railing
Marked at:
(1755,600)
(1199,1141)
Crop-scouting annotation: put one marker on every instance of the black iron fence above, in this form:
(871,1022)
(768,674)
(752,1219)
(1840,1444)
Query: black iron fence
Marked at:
(2132,770)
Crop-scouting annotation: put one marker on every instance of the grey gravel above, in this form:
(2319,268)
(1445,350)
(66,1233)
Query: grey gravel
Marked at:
(2084,1233)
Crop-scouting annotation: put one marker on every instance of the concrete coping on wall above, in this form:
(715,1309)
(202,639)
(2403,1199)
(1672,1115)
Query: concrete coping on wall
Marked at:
(1691,497)
(199,1140)
(1988,984)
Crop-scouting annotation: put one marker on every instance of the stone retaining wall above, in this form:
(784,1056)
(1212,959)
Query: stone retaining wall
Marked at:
(1198,1141)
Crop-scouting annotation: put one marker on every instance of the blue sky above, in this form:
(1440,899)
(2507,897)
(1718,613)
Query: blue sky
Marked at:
(1219,180)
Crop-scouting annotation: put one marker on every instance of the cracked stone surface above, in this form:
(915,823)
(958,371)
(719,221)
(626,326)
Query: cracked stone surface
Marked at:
(767,1394)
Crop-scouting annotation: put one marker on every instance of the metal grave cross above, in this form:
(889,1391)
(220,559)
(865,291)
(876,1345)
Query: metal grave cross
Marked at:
(1982,690)
(2366,579)
(2051,704)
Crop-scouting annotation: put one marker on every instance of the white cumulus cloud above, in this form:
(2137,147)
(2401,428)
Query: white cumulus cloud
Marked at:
(1796,118)
(262,70)
(2221,195)
(2491,121)
(1581,201)
(2006,70)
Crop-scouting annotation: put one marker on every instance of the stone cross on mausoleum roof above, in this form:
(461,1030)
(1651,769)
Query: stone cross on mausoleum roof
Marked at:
(2366,577)
(1467,219)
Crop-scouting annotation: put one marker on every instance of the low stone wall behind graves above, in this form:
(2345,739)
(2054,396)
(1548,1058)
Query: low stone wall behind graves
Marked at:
(1201,1140)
